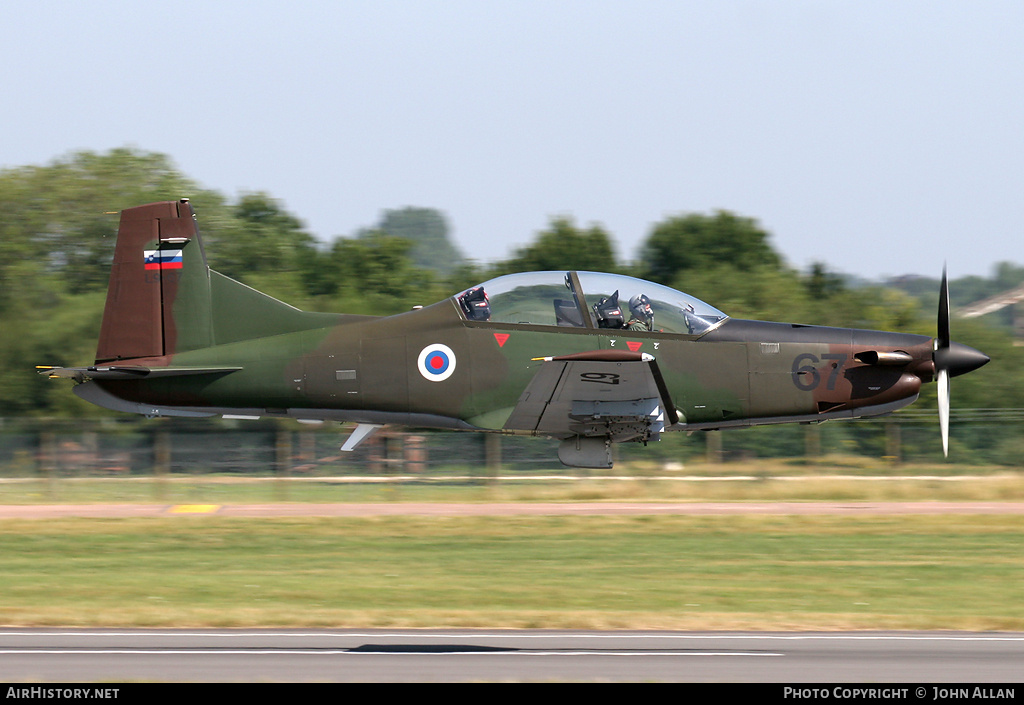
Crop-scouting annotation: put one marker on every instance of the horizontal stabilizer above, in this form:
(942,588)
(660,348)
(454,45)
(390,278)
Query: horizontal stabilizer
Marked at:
(81,374)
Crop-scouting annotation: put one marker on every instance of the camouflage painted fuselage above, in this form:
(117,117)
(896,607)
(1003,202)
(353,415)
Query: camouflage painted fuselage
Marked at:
(180,339)
(741,373)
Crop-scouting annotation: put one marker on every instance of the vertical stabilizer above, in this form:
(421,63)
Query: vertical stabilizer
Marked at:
(158,300)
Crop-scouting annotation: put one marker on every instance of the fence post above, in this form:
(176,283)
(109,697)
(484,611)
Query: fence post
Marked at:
(812,441)
(893,442)
(48,460)
(161,461)
(307,451)
(492,455)
(415,454)
(713,440)
(283,462)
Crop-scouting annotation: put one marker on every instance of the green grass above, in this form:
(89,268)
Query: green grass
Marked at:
(748,482)
(950,572)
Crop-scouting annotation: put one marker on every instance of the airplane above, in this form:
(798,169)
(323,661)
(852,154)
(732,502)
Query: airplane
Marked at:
(586,358)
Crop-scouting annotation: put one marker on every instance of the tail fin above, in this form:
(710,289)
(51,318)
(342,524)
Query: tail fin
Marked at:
(157,249)
(164,299)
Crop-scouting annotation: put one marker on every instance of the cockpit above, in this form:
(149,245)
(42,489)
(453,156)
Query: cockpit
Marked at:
(587,300)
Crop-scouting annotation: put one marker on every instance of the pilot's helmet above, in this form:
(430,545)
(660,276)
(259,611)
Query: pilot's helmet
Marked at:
(640,307)
(609,313)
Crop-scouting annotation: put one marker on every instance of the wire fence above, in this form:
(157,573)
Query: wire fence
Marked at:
(124,448)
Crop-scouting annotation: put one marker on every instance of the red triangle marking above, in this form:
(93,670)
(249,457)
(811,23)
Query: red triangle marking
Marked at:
(501,338)
(633,345)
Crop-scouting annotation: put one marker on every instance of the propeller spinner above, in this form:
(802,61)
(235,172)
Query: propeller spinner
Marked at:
(951,359)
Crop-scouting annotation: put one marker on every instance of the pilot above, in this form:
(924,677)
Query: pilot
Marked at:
(641,314)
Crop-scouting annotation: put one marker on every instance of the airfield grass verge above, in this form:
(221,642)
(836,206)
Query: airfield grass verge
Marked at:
(762,482)
(667,572)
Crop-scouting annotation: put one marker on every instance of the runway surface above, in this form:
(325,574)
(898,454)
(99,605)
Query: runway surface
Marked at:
(110,656)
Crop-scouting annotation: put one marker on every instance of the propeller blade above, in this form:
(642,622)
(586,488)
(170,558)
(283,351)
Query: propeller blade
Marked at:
(943,338)
(943,381)
(941,359)
(950,359)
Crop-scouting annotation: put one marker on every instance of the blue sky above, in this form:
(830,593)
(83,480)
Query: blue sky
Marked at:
(882,138)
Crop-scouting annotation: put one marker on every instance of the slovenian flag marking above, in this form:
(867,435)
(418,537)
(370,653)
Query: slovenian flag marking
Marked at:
(163,259)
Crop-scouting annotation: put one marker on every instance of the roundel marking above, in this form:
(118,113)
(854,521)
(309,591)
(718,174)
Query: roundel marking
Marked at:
(436,362)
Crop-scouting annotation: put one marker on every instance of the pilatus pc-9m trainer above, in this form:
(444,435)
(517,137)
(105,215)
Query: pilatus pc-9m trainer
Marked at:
(589,359)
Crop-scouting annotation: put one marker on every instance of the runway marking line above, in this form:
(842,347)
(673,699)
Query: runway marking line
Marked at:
(194,508)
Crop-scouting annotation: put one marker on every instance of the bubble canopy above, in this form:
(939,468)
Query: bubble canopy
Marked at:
(587,300)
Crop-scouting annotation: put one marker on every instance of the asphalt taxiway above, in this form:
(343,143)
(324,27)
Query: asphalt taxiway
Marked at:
(213,655)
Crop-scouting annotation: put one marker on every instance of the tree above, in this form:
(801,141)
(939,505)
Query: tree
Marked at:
(427,230)
(375,274)
(823,284)
(260,237)
(762,293)
(700,242)
(61,218)
(565,246)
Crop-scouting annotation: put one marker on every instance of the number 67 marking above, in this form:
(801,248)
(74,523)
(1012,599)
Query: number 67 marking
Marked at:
(807,377)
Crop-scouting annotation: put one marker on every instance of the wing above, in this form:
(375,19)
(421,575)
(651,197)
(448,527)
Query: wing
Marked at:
(613,394)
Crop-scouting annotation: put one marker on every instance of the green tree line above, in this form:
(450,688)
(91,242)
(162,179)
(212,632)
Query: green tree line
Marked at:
(59,223)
